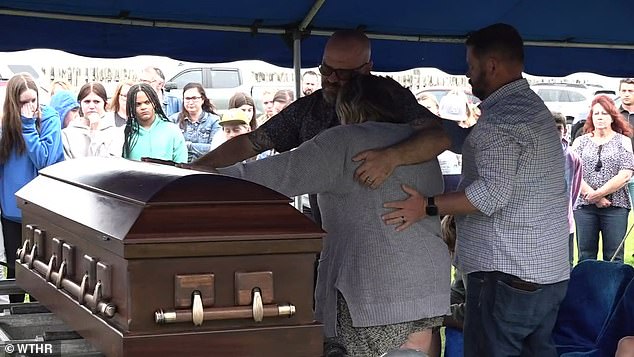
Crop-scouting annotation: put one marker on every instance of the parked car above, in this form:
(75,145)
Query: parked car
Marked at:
(570,99)
(220,82)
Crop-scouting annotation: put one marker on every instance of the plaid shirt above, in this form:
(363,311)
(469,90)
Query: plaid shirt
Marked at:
(513,172)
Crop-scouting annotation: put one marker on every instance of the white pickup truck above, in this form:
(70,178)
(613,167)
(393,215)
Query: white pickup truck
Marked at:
(221,82)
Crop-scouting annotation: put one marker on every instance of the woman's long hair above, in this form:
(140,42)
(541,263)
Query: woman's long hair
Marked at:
(619,124)
(131,131)
(370,98)
(239,99)
(11,122)
(207,106)
(114,104)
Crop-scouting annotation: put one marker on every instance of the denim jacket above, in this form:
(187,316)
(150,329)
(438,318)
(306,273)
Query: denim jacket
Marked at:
(198,135)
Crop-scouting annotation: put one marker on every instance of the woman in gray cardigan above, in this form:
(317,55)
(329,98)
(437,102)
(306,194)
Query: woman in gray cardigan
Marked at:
(377,289)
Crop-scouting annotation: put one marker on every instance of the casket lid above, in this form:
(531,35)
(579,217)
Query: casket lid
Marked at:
(154,184)
(151,203)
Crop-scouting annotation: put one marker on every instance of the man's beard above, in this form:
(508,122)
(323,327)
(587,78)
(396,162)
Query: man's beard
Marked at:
(479,89)
(308,91)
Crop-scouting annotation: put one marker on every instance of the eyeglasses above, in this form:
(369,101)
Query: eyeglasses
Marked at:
(599,164)
(191,99)
(342,73)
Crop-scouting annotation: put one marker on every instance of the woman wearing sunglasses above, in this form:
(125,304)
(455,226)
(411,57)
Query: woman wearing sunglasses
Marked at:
(607,164)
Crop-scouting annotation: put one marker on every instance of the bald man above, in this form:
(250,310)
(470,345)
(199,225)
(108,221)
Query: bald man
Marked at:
(347,54)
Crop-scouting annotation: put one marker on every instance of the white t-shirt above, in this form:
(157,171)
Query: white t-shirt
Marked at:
(450,163)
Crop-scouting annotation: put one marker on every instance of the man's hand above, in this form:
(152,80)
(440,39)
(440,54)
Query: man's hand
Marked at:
(377,166)
(406,212)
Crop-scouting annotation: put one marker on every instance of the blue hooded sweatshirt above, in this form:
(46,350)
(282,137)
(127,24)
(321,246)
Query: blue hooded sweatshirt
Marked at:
(63,102)
(42,149)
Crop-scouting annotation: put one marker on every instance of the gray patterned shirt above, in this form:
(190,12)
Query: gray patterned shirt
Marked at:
(513,172)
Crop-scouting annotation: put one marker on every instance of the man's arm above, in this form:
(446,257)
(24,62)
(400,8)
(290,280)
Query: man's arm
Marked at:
(428,142)
(235,150)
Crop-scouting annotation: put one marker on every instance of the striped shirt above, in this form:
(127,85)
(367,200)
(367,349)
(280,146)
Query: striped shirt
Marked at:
(513,173)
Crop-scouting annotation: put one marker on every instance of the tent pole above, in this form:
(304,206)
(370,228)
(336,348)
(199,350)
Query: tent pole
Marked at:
(297,66)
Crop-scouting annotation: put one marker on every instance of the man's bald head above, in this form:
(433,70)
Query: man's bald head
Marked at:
(346,54)
(347,49)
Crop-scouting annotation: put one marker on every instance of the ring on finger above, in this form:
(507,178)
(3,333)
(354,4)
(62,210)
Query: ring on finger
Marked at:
(403,219)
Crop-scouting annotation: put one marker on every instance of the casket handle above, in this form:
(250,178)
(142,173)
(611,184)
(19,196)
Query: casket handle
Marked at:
(257,311)
(198,314)
(95,301)
(258,308)
(22,252)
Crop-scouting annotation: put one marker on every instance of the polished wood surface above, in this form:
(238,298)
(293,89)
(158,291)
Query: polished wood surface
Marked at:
(148,183)
(156,235)
(302,341)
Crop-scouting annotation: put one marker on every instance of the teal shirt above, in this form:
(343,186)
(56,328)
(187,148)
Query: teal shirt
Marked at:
(163,140)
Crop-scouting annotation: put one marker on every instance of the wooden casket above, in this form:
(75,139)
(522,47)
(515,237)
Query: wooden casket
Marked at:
(151,260)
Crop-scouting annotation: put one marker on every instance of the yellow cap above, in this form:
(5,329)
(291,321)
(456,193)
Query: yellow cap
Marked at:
(234,116)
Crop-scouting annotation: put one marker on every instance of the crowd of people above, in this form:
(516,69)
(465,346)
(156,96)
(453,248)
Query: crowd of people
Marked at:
(380,168)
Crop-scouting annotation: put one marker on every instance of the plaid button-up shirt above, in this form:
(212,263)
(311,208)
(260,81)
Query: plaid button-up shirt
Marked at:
(513,172)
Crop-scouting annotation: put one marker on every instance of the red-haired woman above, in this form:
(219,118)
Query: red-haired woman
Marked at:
(607,164)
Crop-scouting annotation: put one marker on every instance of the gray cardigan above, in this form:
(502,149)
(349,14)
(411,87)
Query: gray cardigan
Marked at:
(385,276)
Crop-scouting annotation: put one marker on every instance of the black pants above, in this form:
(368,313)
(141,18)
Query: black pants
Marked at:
(12,232)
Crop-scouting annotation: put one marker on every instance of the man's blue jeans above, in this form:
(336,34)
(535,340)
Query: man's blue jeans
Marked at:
(507,316)
(610,221)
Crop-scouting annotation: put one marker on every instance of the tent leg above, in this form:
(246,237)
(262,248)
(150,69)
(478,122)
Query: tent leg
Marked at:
(297,66)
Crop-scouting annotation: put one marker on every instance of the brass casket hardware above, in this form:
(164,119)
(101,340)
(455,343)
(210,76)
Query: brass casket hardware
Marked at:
(95,300)
(257,311)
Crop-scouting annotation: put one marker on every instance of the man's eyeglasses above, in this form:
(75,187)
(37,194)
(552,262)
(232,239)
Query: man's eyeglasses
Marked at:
(191,99)
(342,73)
(599,164)
(147,81)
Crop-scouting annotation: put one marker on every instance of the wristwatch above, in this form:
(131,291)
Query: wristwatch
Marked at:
(431,209)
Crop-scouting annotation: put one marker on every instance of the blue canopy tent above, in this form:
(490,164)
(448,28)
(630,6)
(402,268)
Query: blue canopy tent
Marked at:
(562,37)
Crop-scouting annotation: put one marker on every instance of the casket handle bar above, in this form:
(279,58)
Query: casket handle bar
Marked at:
(257,311)
(95,301)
